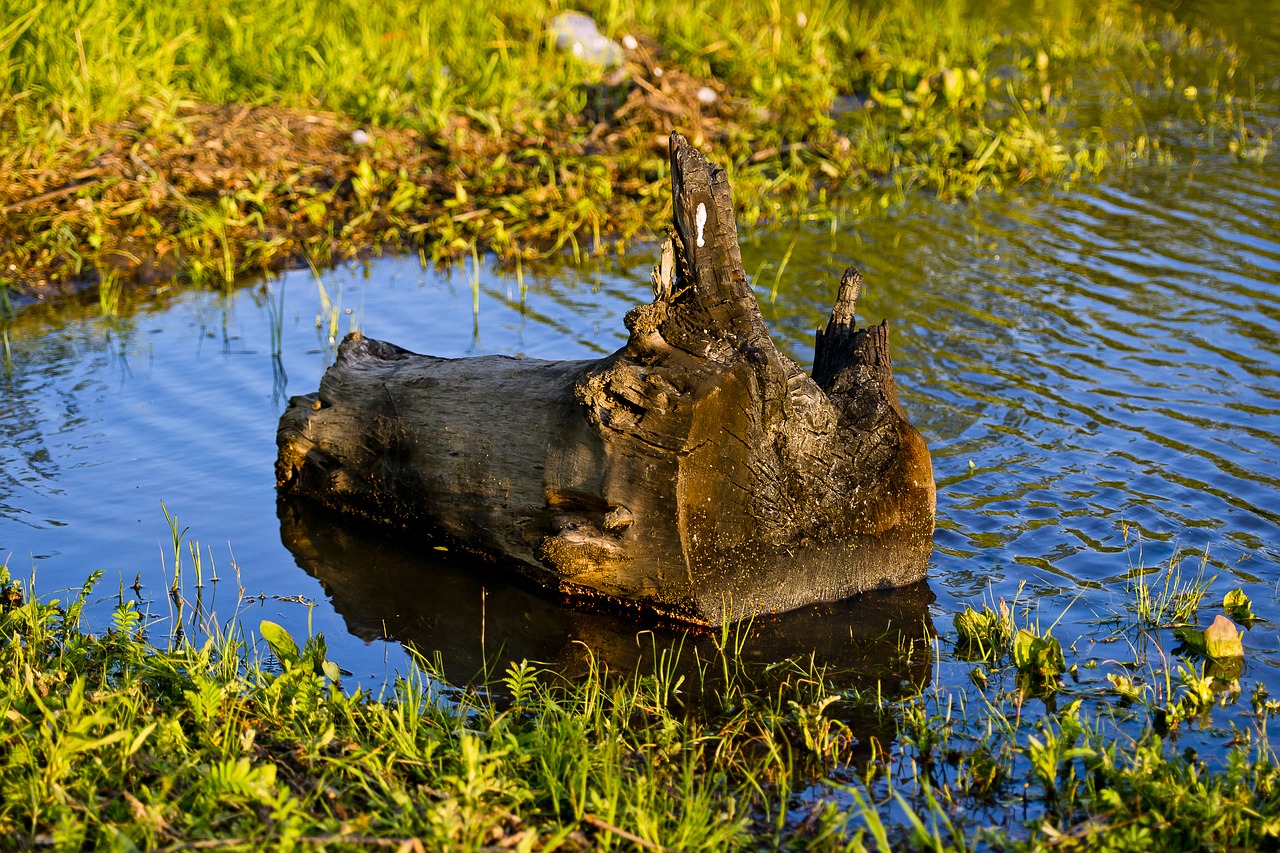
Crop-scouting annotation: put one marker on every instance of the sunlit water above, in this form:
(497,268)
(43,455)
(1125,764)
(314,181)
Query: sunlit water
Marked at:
(1097,374)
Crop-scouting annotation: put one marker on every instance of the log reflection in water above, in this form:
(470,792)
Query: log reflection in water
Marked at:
(469,612)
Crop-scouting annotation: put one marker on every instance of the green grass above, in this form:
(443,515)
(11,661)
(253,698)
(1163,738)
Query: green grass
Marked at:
(1161,597)
(111,742)
(211,140)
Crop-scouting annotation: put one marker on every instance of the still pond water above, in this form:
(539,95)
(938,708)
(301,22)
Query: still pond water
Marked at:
(1097,373)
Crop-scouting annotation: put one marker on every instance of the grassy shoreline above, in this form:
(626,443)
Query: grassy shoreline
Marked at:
(205,142)
(222,741)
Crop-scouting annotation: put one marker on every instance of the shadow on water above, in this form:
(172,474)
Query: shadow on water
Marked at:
(472,614)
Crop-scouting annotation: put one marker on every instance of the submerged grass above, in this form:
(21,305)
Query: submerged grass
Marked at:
(143,141)
(111,742)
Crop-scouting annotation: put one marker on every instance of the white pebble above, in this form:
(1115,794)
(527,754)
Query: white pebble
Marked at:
(707,96)
(359,137)
(578,34)
(629,42)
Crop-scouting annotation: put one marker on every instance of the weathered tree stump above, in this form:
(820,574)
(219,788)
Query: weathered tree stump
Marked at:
(696,471)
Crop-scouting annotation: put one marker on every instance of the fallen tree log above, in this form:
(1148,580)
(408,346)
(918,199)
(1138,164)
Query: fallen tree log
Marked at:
(696,471)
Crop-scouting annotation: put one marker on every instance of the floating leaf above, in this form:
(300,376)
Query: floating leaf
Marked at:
(1239,607)
(1222,639)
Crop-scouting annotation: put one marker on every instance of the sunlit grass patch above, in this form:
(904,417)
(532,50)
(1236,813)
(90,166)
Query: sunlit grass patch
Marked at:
(210,141)
(208,739)
(218,739)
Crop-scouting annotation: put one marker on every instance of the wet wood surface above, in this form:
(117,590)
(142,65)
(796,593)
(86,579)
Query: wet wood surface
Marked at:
(696,472)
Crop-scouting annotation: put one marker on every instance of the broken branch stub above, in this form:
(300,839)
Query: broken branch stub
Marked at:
(696,471)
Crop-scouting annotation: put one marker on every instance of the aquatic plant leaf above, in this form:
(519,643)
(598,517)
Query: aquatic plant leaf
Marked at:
(10,592)
(1197,694)
(282,645)
(1222,639)
(1192,637)
(332,671)
(1040,656)
(1238,606)
(1128,688)
(980,632)
(971,625)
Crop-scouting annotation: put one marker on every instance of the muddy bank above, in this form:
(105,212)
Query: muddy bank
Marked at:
(212,192)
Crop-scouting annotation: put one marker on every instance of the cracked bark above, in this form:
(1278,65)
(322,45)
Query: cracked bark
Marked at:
(696,471)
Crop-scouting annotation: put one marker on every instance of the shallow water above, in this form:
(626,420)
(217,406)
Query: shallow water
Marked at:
(1097,373)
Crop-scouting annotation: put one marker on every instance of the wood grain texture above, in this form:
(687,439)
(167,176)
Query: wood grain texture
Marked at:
(696,471)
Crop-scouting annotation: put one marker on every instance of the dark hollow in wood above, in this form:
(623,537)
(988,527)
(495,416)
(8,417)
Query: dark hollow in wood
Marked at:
(696,471)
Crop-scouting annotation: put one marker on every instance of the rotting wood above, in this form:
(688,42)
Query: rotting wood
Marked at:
(696,471)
